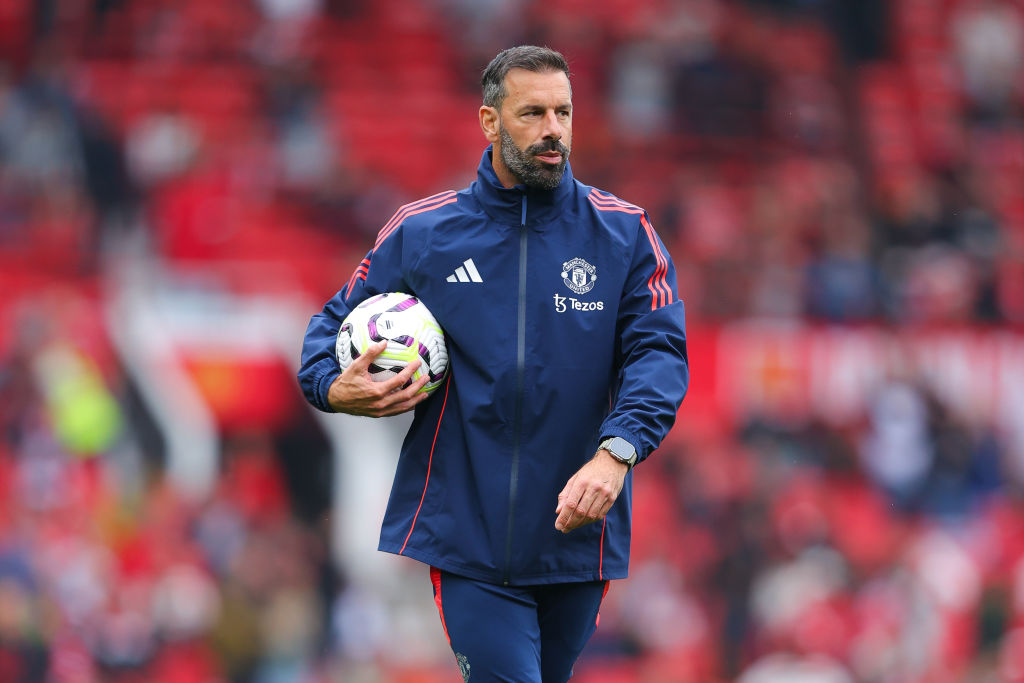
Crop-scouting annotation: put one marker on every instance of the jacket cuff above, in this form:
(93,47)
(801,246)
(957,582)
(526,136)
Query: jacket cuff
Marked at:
(324,381)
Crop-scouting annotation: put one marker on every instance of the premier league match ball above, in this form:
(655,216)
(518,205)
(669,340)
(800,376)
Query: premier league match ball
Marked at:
(410,331)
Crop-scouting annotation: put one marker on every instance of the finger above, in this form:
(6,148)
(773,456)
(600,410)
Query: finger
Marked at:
(578,521)
(573,523)
(359,365)
(403,399)
(564,494)
(603,509)
(589,506)
(594,504)
(580,515)
(568,510)
(403,393)
(399,380)
(604,497)
(402,407)
(598,508)
(573,491)
(562,523)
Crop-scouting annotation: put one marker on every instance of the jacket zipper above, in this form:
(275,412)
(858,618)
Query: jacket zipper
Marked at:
(513,481)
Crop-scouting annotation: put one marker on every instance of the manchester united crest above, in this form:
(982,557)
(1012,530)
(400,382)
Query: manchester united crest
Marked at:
(578,275)
(463,666)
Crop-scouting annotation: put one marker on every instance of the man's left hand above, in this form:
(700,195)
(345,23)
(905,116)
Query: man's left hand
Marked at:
(590,492)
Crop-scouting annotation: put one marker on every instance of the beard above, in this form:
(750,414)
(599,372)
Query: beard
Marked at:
(528,170)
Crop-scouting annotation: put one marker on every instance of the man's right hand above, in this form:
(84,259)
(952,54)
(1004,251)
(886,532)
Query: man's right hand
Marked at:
(353,392)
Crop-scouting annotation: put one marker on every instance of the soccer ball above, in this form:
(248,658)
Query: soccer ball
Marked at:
(410,330)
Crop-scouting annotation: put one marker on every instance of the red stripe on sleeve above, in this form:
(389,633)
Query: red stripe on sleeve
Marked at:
(428,204)
(610,199)
(421,206)
(612,204)
(659,278)
(661,292)
(359,273)
(412,205)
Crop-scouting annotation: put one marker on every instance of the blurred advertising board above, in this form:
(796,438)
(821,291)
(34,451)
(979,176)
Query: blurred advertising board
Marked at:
(791,371)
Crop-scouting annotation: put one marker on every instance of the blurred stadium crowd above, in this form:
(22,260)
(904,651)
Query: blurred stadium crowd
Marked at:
(835,175)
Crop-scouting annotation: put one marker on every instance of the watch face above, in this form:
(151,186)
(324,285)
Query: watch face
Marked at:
(621,449)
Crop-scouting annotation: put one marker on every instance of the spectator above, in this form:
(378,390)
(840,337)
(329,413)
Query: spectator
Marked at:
(989,40)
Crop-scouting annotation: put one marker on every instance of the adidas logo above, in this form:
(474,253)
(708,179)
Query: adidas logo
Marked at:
(467,272)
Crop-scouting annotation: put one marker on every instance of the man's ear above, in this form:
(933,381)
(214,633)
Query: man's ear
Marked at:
(489,123)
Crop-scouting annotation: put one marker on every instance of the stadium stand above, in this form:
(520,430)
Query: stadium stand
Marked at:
(841,185)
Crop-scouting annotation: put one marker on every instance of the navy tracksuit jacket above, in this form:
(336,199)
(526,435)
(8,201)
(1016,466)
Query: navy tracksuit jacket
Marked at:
(563,327)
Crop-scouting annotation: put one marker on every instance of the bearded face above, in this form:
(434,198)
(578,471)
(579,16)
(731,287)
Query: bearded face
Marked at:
(525,165)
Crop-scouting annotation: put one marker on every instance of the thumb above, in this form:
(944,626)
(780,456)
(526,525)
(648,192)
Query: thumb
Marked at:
(562,496)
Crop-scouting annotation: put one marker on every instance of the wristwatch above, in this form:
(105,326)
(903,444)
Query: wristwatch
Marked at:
(620,449)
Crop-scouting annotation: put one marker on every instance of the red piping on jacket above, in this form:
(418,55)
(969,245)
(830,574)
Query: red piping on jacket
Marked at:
(430,461)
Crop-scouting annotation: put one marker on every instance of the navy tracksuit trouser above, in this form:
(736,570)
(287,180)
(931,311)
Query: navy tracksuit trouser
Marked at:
(516,634)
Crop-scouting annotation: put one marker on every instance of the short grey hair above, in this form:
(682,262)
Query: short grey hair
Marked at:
(529,57)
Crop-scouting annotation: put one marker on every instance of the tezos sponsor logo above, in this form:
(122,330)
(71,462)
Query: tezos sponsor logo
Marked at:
(562,304)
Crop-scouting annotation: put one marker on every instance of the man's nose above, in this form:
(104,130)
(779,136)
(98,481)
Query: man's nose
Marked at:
(552,126)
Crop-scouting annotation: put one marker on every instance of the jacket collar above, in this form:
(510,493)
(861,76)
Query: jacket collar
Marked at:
(505,204)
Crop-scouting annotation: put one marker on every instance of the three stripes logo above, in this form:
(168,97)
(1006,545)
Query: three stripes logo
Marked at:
(467,272)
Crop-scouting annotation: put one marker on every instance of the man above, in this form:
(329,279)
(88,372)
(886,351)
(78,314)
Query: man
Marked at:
(567,366)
